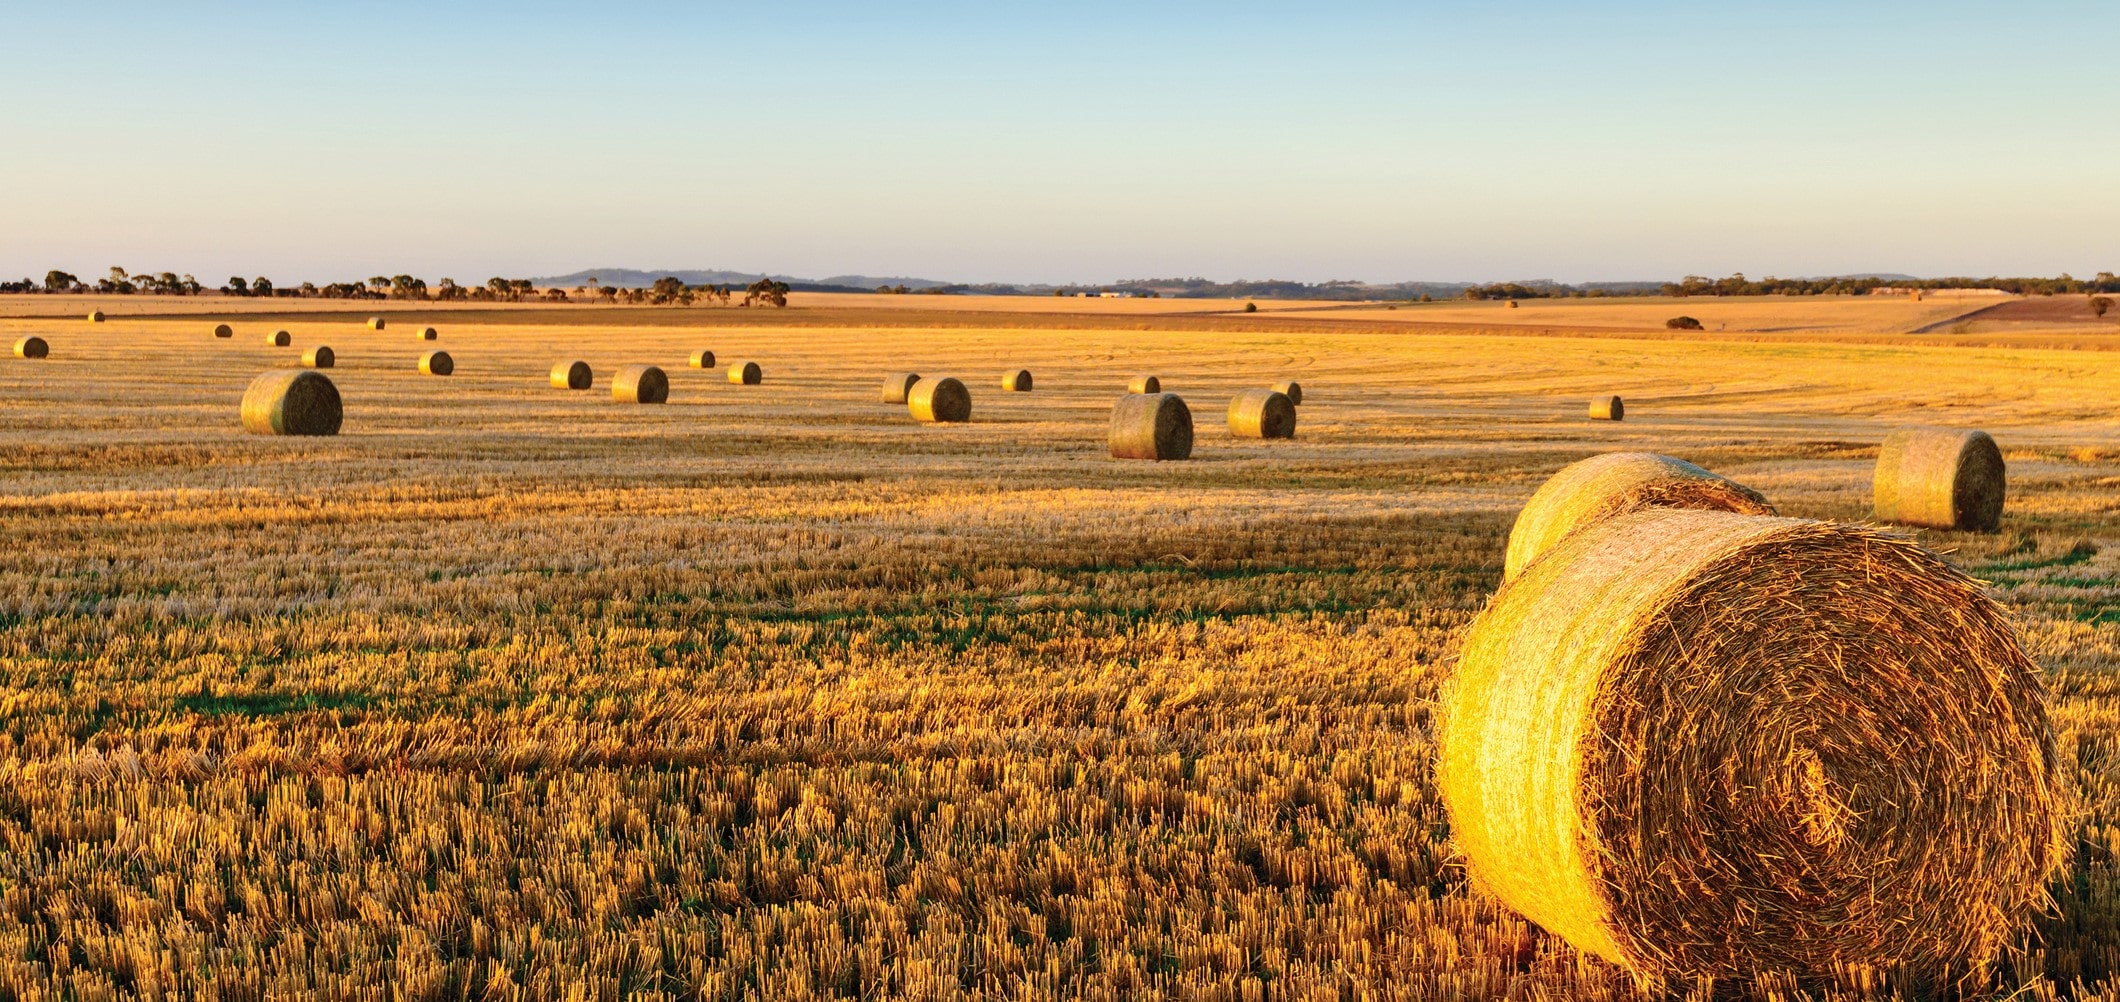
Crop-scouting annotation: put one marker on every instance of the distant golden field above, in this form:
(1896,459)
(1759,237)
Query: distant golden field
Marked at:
(768,692)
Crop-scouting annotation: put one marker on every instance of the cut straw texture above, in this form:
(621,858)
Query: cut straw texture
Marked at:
(1601,487)
(897,385)
(1607,409)
(319,357)
(1262,414)
(746,374)
(1940,478)
(377,323)
(1151,426)
(279,339)
(292,402)
(1291,389)
(32,347)
(572,375)
(1016,381)
(1144,384)
(437,363)
(427,334)
(701,359)
(640,384)
(1703,744)
(943,400)
(223,330)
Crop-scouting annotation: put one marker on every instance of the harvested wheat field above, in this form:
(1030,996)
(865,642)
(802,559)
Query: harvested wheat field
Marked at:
(772,693)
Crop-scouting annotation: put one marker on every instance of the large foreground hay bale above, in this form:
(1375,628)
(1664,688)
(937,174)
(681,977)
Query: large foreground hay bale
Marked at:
(1151,426)
(640,384)
(32,347)
(223,330)
(1601,487)
(572,375)
(701,359)
(939,400)
(1291,389)
(427,334)
(1262,414)
(279,339)
(292,402)
(1607,408)
(746,374)
(1701,743)
(437,363)
(319,357)
(897,385)
(1144,384)
(1016,381)
(377,323)
(1941,478)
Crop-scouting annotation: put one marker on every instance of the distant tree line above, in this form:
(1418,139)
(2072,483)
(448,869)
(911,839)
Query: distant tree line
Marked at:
(1738,285)
(667,291)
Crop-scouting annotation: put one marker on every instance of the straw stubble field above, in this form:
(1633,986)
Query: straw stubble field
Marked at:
(510,691)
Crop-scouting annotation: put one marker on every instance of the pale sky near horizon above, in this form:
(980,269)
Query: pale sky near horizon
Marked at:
(980,142)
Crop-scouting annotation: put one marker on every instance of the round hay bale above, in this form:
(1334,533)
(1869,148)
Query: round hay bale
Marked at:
(32,347)
(1601,487)
(702,359)
(427,334)
(1607,409)
(292,402)
(640,384)
(319,357)
(279,339)
(1940,478)
(1262,414)
(95,316)
(1291,389)
(1151,426)
(223,330)
(1144,384)
(437,363)
(1017,381)
(574,375)
(1704,744)
(897,385)
(942,400)
(746,374)
(376,323)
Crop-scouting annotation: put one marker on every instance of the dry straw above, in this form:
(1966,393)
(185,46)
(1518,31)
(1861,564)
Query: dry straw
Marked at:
(1940,478)
(746,374)
(1704,744)
(427,334)
(437,363)
(701,359)
(1144,384)
(574,375)
(1017,381)
(319,357)
(292,402)
(1151,426)
(279,339)
(223,330)
(1291,389)
(1262,414)
(1607,409)
(376,323)
(1601,487)
(640,384)
(32,347)
(95,316)
(939,400)
(897,385)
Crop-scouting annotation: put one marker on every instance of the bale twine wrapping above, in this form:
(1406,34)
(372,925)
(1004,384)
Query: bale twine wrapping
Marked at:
(1601,487)
(292,402)
(939,400)
(1262,414)
(574,375)
(223,330)
(897,385)
(279,339)
(437,363)
(701,359)
(95,316)
(746,374)
(1607,409)
(1144,384)
(1291,389)
(1017,381)
(1705,744)
(427,334)
(376,323)
(640,384)
(32,347)
(319,357)
(1151,426)
(1940,478)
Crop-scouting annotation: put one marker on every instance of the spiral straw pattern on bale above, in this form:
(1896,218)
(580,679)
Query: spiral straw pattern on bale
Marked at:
(571,375)
(1017,381)
(640,384)
(1291,389)
(1704,744)
(1144,384)
(1262,414)
(292,402)
(279,339)
(223,330)
(701,359)
(746,374)
(943,400)
(1607,409)
(1151,426)
(32,347)
(897,385)
(1598,488)
(320,357)
(437,363)
(1940,478)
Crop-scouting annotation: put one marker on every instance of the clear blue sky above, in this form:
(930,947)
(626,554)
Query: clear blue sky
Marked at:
(1021,142)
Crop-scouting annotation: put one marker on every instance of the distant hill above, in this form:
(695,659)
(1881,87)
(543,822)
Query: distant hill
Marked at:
(629,278)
